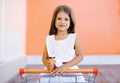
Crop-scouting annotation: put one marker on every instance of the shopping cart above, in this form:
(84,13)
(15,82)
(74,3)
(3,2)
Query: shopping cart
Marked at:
(71,76)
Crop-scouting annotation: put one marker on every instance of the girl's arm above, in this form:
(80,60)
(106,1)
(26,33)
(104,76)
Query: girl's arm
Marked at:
(75,61)
(78,52)
(45,59)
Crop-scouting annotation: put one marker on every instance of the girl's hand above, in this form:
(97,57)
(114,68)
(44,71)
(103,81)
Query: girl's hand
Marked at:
(60,70)
(50,66)
(51,63)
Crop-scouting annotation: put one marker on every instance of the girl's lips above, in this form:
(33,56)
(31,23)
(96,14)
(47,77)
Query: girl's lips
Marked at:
(62,25)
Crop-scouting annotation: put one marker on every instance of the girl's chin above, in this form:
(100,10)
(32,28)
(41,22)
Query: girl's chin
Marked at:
(62,28)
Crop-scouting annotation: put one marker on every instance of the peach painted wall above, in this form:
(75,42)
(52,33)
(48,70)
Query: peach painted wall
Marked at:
(97,24)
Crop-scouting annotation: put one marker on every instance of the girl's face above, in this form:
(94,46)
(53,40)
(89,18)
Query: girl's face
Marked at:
(62,21)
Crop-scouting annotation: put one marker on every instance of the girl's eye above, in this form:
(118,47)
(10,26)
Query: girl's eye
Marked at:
(66,19)
(58,18)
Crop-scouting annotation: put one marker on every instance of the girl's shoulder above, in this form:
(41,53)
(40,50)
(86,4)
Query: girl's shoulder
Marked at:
(49,37)
(73,34)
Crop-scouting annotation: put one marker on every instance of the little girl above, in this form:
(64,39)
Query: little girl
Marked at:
(62,43)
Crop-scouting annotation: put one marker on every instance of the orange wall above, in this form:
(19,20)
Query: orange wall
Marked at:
(97,24)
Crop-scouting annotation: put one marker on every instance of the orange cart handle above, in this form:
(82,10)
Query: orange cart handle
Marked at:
(93,70)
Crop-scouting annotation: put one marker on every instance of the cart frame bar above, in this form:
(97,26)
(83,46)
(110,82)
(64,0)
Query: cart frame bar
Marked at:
(91,70)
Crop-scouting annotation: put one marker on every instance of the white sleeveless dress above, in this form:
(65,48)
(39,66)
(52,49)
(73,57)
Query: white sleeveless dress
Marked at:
(63,51)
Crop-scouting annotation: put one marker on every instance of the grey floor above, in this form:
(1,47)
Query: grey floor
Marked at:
(107,73)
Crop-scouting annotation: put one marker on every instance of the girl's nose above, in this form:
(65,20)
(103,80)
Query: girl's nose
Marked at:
(62,21)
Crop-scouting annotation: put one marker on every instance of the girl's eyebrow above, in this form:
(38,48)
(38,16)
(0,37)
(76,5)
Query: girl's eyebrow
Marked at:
(58,17)
(61,17)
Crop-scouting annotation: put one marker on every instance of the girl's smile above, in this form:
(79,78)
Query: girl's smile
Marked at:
(62,25)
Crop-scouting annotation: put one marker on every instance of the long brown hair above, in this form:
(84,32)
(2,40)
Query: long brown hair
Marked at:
(66,9)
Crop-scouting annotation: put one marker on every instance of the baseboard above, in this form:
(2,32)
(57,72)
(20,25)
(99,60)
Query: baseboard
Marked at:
(88,59)
(10,67)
